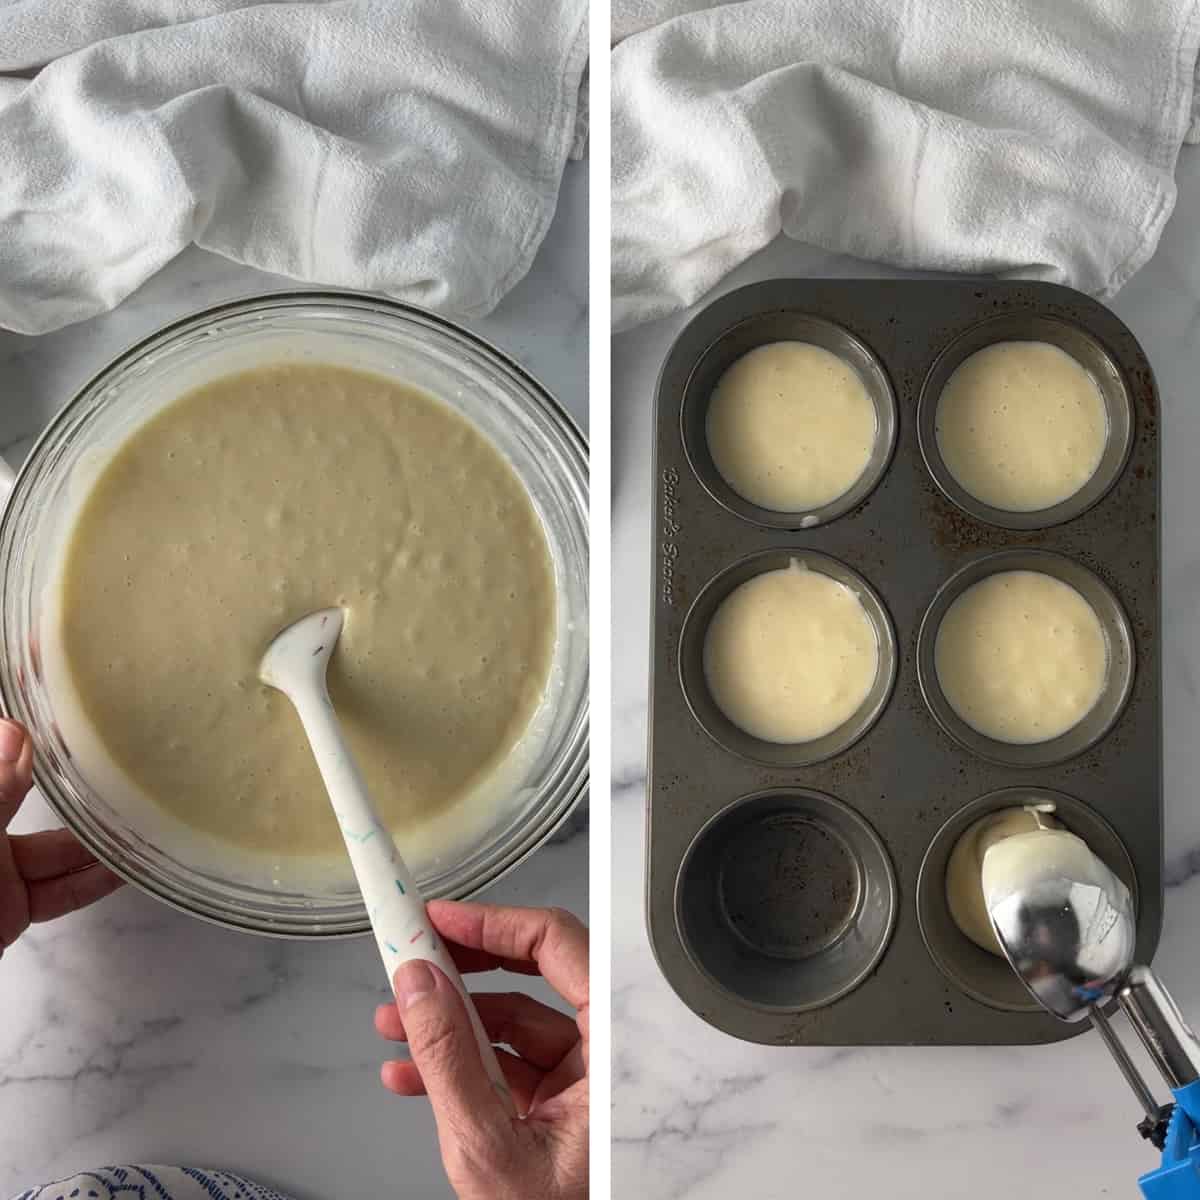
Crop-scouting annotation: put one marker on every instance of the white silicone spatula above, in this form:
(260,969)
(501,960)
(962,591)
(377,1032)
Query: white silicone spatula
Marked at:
(295,664)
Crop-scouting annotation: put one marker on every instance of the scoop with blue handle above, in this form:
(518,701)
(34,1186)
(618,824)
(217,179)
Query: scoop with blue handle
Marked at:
(1066,925)
(295,664)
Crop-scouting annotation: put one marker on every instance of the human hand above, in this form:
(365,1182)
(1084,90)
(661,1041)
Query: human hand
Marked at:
(42,875)
(489,1155)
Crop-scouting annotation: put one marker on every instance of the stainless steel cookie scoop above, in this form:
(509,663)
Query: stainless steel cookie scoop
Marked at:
(1065,921)
(1067,926)
(295,664)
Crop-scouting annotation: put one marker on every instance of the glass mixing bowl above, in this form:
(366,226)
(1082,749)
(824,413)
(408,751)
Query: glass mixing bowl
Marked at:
(537,437)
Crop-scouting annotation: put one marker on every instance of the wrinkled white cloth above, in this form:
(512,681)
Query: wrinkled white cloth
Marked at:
(410,148)
(991,136)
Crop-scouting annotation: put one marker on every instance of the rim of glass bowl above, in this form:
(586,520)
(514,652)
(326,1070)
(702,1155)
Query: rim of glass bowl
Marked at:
(565,786)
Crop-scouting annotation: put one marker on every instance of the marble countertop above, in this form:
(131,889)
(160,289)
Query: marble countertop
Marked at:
(131,1033)
(700,1115)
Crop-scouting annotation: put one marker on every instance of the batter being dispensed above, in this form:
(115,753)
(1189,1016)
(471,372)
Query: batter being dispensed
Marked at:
(1021,656)
(263,496)
(964,872)
(791,426)
(995,849)
(790,655)
(1022,426)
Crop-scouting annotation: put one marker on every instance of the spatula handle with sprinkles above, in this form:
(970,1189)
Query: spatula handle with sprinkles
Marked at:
(402,927)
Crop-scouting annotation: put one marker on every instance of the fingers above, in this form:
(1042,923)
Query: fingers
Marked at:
(14,900)
(550,937)
(16,769)
(539,1034)
(390,1024)
(471,962)
(404,1079)
(45,855)
(45,875)
(16,774)
(470,1117)
(569,1072)
(51,898)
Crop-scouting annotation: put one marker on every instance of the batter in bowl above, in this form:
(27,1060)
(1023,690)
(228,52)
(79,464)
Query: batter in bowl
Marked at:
(1021,657)
(791,426)
(260,497)
(964,872)
(790,655)
(1022,426)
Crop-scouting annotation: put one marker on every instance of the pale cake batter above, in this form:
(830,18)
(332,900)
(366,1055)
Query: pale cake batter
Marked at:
(1021,656)
(790,655)
(791,426)
(964,871)
(1021,426)
(260,497)
(1011,864)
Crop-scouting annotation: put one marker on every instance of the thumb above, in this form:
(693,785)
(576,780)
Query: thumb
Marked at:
(469,1114)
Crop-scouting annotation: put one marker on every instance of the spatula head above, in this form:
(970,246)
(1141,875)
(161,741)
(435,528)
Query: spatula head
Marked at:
(298,656)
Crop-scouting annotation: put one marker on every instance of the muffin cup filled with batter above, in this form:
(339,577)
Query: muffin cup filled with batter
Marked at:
(982,974)
(774,611)
(1025,422)
(971,652)
(786,899)
(789,421)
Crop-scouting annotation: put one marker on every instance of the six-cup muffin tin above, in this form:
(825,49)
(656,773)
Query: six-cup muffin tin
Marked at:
(795,894)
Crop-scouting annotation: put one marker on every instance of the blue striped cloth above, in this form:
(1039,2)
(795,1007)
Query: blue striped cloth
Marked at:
(152,1183)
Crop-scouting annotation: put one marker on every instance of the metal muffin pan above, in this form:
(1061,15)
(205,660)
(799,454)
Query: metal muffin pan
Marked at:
(795,895)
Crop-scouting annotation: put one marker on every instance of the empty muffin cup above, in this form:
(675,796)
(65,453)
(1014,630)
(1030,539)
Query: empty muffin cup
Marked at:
(1093,724)
(981,975)
(786,900)
(762,330)
(699,695)
(1089,354)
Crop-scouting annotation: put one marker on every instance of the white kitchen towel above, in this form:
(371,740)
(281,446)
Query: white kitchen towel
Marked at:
(410,148)
(1016,137)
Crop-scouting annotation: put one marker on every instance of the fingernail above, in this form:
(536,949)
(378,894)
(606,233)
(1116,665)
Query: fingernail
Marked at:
(12,741)
(412,981)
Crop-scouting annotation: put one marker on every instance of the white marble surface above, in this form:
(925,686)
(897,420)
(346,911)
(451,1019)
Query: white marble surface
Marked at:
(132,1033)
(701,1115)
